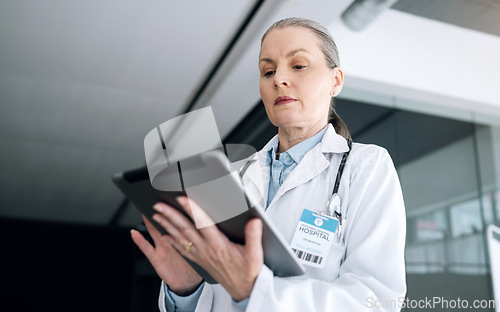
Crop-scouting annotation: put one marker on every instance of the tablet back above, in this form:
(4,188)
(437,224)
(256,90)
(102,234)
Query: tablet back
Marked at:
(222,197)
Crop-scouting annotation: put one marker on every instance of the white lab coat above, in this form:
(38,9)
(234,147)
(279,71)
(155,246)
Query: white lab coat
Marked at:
(365,271)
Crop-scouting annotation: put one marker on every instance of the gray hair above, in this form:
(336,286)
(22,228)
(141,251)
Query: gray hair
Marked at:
(330,51)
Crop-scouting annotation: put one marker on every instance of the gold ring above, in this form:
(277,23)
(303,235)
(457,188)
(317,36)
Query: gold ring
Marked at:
(188,246)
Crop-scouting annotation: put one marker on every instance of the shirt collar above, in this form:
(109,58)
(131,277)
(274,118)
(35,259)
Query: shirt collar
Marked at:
(296,152)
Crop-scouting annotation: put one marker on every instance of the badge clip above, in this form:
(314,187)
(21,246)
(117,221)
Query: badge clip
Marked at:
(333,210)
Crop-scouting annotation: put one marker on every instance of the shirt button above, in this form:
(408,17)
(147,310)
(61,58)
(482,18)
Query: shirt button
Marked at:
(287,160)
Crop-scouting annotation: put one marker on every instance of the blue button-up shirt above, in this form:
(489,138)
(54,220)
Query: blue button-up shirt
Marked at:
(287,161)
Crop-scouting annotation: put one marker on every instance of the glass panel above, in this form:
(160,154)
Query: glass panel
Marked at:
(488,150)
(497,206)
(428,227)
(449,171)
(467,255)
(426,258)
(488,208)
(466,218)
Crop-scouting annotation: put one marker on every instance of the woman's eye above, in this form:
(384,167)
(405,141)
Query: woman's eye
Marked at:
(299,67)
(269,73)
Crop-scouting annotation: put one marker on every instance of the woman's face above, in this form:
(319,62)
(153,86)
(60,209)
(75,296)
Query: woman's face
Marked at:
(295,82)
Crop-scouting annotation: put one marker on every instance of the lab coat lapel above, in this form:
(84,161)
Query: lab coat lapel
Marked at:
(254,183)
(256,177)
(314,162)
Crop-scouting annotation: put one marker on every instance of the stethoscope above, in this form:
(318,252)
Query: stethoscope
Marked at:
(333,204)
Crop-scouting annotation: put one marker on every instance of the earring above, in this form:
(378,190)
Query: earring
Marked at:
(333,93)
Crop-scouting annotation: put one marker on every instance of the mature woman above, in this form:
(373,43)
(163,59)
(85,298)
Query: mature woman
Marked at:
(364,266)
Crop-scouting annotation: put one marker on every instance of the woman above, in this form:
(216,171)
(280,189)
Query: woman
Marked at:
(364,267)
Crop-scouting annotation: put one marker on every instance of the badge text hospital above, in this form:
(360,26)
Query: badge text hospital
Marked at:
(313,237)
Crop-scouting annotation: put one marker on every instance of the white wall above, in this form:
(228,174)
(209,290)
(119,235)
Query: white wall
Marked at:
(406,56)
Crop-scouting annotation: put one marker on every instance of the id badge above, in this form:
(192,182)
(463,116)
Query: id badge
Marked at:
(313,237)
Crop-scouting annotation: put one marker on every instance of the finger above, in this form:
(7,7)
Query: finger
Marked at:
(181,200)
(158,237)
(176,239)
(181,248)
(143,244)
(202,220)
(176,217)
(253,238)
(152,230)
(179,228)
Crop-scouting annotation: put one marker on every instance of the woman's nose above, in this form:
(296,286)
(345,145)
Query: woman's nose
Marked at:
(281,79)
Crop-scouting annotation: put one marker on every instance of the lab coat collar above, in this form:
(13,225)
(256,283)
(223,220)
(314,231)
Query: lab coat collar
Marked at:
(333,142)
(256,177)
(258,172)
(315,161)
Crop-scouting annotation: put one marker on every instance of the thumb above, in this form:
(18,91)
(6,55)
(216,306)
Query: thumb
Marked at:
(253,238)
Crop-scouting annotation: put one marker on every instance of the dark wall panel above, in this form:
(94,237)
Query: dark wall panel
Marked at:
(56,267)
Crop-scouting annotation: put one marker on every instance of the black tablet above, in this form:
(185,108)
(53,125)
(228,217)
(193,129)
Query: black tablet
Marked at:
(206,179)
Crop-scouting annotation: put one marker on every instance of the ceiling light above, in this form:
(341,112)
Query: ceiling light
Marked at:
(362,12)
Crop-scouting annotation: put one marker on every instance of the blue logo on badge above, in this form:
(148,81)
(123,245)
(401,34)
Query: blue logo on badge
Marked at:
(324,222)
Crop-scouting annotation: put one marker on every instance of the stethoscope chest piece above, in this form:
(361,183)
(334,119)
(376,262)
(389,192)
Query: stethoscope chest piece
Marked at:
(333,205)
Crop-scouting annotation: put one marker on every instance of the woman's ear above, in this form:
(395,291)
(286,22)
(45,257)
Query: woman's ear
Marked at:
(338,81)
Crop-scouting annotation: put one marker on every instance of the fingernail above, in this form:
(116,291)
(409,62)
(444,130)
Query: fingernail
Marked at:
(181,200)
(157,217)
(132,231)
(158,207)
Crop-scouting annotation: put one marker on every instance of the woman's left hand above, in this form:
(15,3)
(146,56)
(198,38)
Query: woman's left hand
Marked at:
(234,266)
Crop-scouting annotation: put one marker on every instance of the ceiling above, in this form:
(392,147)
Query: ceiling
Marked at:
(81,84)
(479,15)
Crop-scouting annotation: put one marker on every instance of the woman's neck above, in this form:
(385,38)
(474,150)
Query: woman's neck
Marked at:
(289,137)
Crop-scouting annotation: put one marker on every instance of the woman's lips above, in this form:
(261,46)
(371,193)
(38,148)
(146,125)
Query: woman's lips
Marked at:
(282,100)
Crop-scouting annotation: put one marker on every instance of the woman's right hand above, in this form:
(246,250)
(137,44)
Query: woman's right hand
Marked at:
(180,277)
